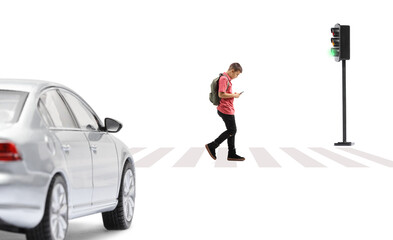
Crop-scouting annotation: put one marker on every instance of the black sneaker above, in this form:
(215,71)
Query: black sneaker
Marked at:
(211,150)
(232,156)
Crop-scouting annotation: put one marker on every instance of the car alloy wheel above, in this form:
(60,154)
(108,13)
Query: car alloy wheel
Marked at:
(120,218)
(54,223)
(58,212)
(128,195)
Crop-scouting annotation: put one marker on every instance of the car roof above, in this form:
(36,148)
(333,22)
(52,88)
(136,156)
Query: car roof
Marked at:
(26,85)
(35,87)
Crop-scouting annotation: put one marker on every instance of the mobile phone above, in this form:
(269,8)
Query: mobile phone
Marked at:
(241,92)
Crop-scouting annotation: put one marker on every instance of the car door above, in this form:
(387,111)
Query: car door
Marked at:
(103,150)
(74,146)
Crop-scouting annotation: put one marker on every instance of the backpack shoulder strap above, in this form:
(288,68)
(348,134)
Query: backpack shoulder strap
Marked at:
(223,75)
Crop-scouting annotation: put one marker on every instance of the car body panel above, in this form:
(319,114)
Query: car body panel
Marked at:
(79,166)
(105,168)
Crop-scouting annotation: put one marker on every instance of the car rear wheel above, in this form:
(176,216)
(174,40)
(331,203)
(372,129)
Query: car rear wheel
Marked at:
(54,223)
(120,218)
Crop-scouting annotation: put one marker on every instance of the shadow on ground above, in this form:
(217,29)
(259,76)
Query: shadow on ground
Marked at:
(76,230)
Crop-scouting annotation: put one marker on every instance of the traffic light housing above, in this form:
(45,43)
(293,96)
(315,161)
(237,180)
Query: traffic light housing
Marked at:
(340,41)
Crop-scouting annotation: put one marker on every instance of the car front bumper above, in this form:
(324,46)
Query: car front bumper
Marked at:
(22,199)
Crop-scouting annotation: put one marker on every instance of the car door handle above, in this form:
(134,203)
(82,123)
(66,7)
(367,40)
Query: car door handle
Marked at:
(66,148)
(94,148)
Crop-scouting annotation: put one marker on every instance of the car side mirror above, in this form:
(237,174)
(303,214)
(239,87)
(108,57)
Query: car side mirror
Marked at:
(112,125)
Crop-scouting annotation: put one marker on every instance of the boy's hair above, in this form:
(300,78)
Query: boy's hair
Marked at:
(236,67)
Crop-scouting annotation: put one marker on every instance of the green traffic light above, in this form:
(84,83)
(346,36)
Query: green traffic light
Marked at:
(334,52)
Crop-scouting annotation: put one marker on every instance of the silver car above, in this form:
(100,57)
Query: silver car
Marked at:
(59,162)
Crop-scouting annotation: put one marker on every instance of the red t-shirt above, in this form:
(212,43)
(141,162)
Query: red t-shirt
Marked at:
(226,104)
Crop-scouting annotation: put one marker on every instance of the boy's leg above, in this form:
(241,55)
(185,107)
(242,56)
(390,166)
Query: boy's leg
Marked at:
(232,129)
(230,124)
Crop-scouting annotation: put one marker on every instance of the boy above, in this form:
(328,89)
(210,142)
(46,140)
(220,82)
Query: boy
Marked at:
(226,111)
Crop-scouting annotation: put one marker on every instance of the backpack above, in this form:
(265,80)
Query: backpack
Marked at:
(213,96)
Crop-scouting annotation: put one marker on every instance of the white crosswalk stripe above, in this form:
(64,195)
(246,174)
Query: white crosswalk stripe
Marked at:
(347,162)
(368,158)
(258,157)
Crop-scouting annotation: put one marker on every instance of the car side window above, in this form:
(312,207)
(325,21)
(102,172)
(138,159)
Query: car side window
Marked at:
(83,115)
(57,110)
(45,114)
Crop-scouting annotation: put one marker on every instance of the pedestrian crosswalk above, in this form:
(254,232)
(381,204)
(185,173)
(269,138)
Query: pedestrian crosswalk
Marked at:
(258,157)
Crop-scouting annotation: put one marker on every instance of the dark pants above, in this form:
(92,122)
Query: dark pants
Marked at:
(230,133)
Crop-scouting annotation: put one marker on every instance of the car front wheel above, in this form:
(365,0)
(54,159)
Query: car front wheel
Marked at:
(120,218)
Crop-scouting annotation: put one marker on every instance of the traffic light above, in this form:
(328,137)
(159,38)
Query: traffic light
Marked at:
(340,41)
(340,52)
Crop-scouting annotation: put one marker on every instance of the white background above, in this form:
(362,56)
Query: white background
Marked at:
(149,64)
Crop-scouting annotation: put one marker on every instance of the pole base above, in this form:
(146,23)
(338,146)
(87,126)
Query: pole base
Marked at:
(344,144)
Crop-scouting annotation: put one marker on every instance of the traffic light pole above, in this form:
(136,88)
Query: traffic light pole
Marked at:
(344,142)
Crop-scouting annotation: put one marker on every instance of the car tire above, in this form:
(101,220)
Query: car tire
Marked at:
(54,224)
(121,217)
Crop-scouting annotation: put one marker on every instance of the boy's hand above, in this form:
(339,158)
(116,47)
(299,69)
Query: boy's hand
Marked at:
(237,95)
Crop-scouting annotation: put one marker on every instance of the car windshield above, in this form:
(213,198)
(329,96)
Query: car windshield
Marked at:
(11,105)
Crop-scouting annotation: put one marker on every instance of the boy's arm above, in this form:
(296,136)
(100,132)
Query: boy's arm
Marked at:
(228,95)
